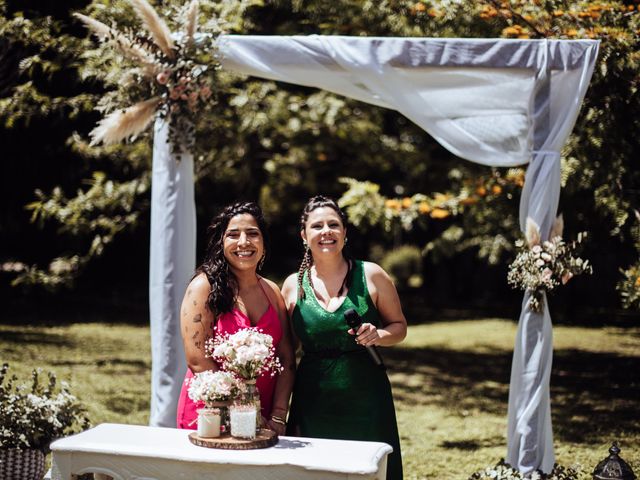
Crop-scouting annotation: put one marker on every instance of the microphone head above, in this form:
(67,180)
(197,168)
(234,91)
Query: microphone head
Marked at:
(352,318)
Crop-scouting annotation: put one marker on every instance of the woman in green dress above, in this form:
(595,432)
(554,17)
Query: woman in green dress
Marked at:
(339,391)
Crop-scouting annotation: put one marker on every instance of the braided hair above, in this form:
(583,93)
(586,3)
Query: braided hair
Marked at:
(320,201)
(224,285)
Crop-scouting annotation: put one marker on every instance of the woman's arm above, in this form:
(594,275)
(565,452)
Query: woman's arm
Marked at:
(284,383)
(196,321)
(290,292)
(385,297)
(290,296)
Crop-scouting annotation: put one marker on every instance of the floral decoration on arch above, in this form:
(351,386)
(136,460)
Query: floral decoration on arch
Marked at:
(158,73)
(541,266)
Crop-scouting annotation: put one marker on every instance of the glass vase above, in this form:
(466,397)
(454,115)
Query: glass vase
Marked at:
(253,397)
(225,425)
(243,420)
(245,412)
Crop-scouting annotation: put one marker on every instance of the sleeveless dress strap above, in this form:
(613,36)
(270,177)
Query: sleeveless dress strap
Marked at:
(260,279)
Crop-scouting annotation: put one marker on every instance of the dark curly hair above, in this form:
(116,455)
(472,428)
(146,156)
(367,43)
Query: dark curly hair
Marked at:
(224,285)
(320,201)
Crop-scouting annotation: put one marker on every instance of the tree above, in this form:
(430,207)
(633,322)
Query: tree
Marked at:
(279,144)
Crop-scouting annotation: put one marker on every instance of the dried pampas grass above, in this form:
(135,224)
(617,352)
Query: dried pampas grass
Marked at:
(101,30)
(532,233)
(156,26)
(125,45)
(191,21)
(558,227)
(125,123)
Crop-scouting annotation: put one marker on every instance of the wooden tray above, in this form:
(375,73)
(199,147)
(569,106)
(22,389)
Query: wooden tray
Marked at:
(264,438)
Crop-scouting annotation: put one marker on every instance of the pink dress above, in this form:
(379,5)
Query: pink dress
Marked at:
(230,323)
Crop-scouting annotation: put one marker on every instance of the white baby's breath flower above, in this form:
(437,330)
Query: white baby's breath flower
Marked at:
(248,353)
(542,268)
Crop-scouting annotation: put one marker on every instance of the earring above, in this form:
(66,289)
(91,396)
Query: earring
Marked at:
(305,244)
(345,240)
(261,262)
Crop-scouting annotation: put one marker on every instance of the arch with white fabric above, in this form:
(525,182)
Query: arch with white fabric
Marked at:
(497,102)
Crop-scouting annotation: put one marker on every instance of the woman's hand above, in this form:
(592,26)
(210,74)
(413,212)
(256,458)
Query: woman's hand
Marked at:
(367,335)
(276,426)
(277,421)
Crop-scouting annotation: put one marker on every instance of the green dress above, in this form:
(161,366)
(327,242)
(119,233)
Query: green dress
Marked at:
(339,392)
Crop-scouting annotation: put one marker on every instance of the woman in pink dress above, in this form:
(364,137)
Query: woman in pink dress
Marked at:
(226,295)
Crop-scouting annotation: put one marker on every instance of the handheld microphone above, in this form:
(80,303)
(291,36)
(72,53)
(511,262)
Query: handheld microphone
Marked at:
(354,321)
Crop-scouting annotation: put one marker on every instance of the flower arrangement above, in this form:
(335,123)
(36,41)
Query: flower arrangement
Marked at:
(542,266)
(504,471)
(163,74)
(31,416)
(248,353)
(209,387)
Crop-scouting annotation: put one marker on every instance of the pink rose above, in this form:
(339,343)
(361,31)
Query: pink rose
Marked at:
(162,78)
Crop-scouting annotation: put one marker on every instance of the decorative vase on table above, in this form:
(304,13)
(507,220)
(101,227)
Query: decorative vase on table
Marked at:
(252,397)
(209,424)
(245,412)
(21,464)
(223,407)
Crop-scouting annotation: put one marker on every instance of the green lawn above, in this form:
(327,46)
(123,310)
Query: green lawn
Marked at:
(450,384)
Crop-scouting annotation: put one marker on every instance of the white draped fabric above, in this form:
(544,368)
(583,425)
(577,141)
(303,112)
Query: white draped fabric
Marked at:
(171,265)
(495,102)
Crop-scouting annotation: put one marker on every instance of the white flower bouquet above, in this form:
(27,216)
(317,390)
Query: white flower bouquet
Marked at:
(31,416)
(542,266)
(209,387)
(248,353)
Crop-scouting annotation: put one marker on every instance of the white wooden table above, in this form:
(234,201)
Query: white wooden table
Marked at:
(128,452)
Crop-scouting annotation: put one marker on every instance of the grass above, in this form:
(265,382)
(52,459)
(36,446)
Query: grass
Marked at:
(450,385)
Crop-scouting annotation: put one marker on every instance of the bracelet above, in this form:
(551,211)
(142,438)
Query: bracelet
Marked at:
(278,420)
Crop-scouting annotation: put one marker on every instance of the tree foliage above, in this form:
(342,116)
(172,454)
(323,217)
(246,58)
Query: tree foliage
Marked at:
(279,143)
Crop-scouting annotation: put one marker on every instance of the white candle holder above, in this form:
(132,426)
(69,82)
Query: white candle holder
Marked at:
(243,421)
(208,422)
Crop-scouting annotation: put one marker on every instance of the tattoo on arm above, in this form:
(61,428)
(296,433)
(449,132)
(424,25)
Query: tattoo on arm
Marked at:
(196,341)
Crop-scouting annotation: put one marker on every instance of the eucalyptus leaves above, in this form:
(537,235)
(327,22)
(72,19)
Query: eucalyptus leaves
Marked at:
(543,265)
